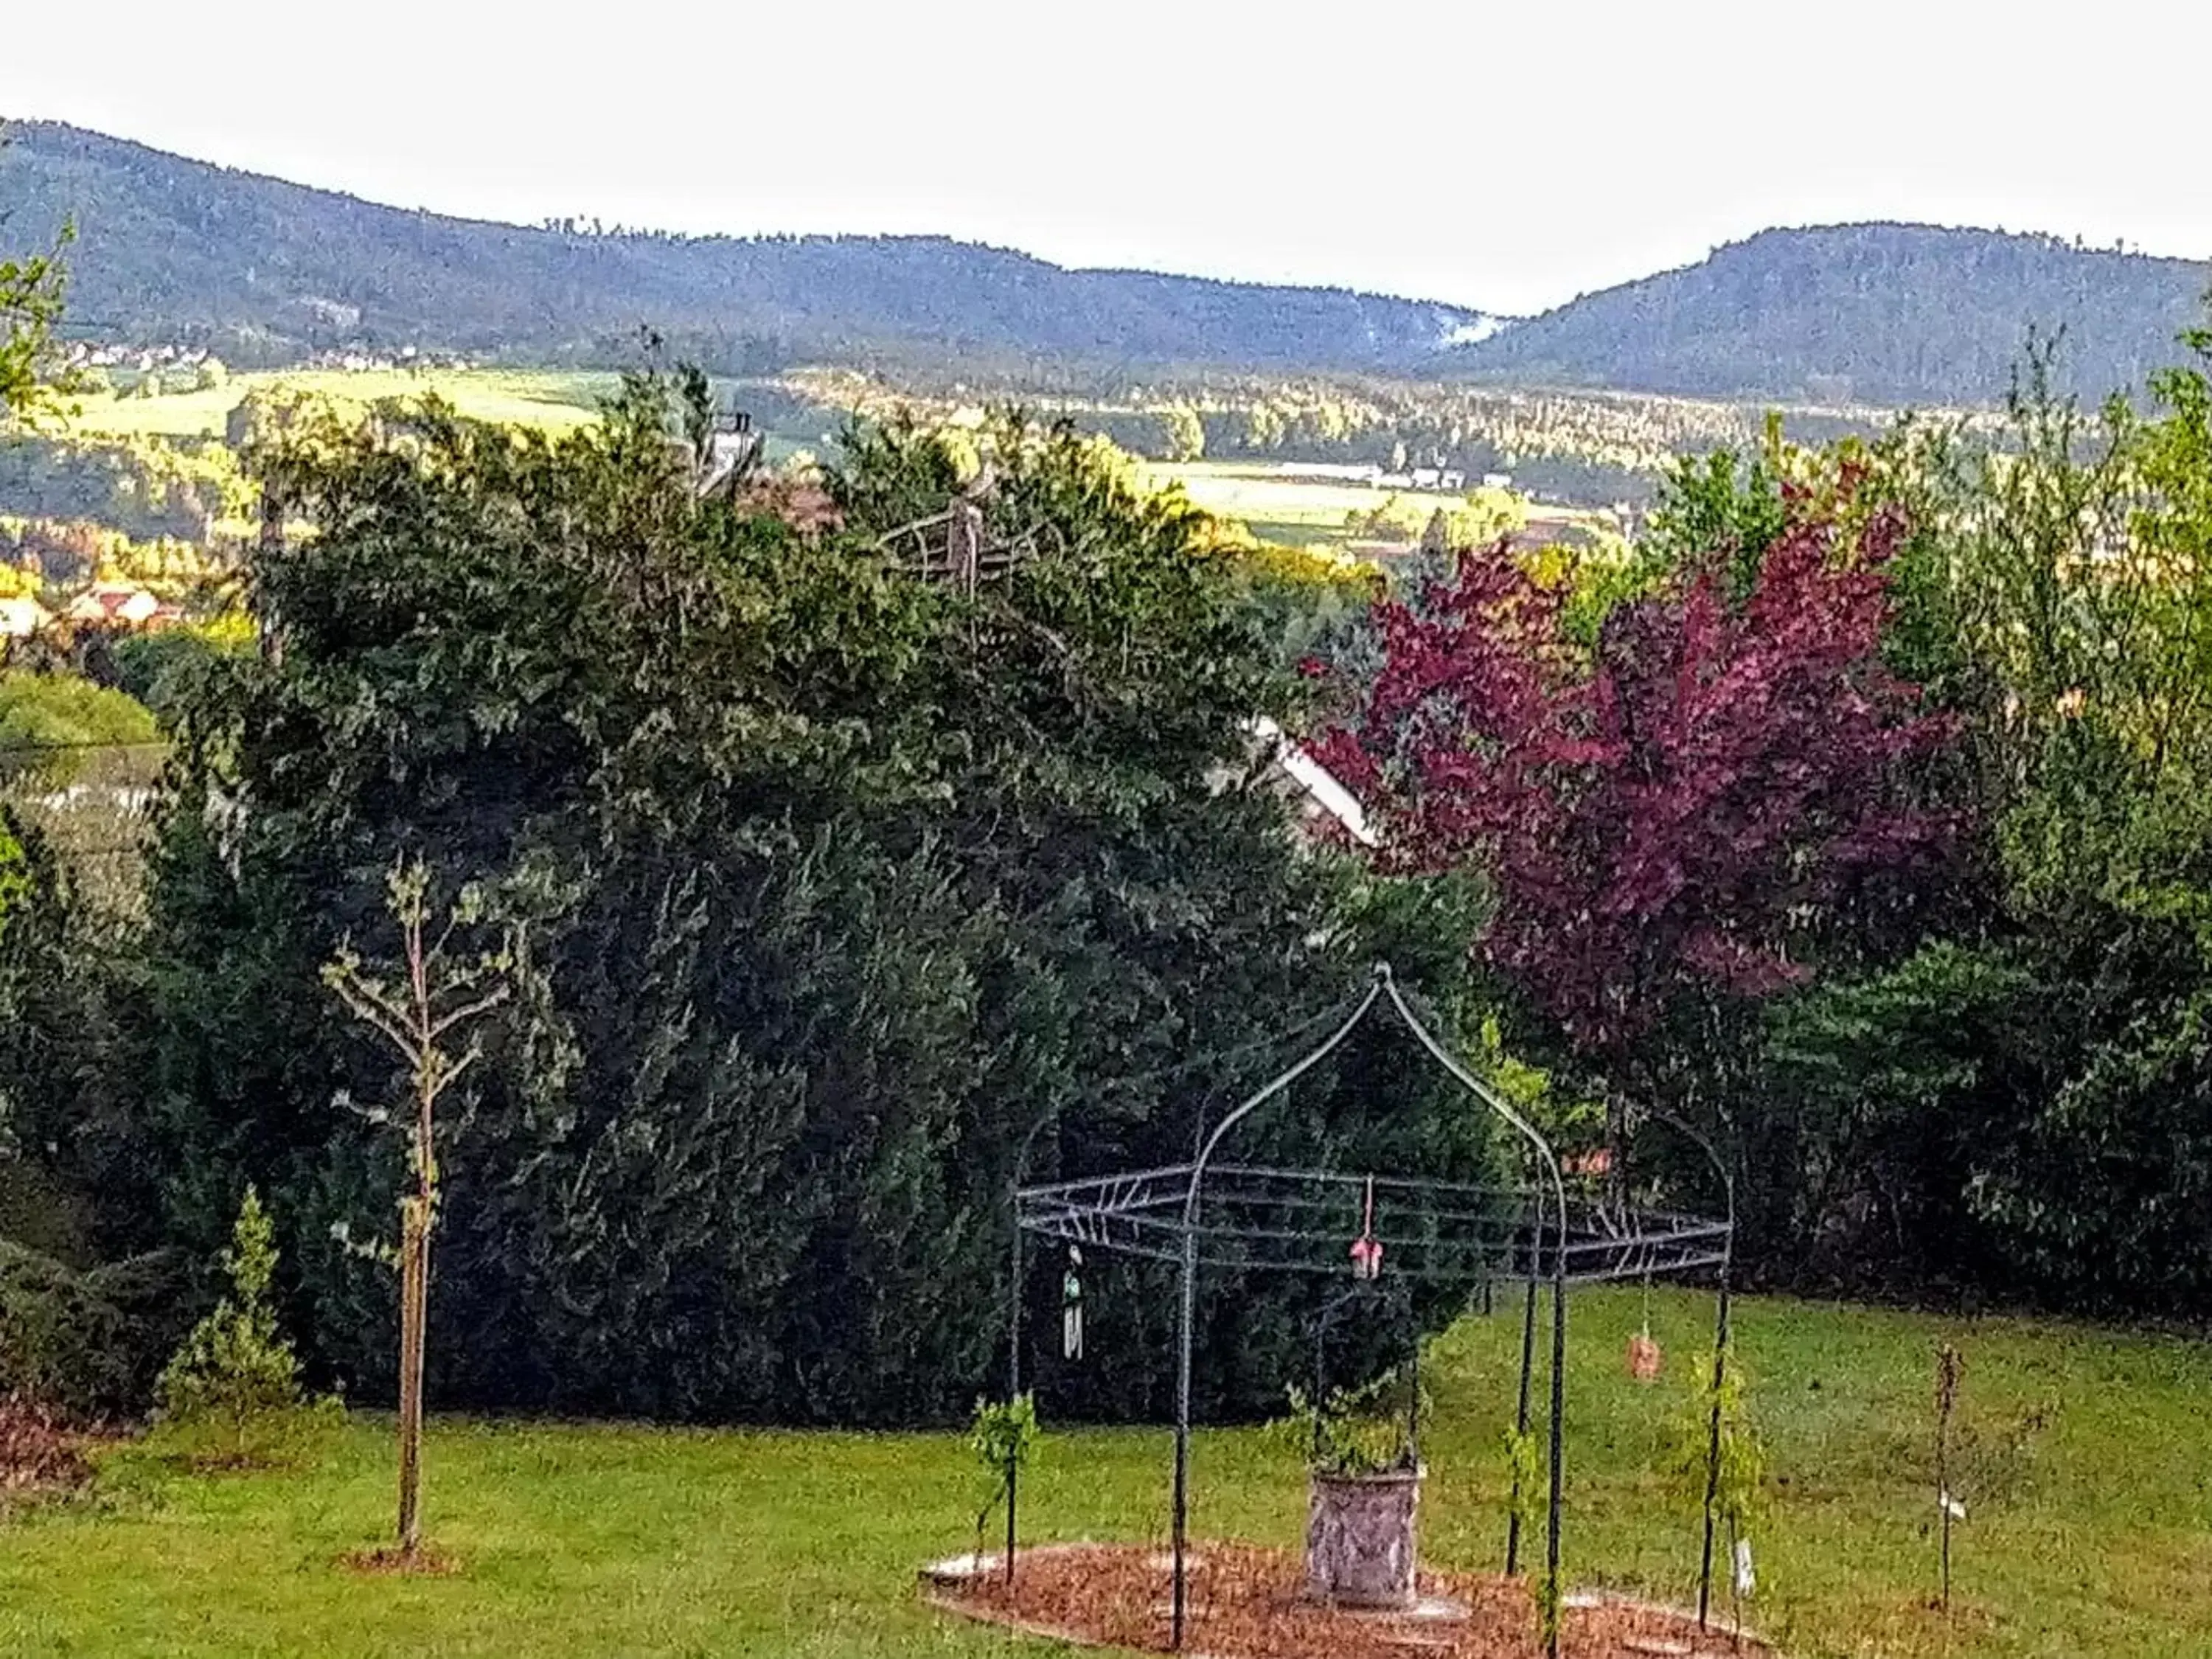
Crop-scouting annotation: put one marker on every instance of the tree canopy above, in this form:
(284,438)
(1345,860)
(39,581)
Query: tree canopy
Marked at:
(831,880)
(31,288)
(1675,813)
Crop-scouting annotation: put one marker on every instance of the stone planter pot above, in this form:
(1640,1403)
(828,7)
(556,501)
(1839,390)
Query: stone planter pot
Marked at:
(1359,1539)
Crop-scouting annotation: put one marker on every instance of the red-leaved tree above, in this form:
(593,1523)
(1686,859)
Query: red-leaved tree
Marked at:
(1680,815)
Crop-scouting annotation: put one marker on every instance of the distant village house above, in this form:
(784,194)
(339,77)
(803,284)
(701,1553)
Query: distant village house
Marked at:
(120,604)
(21,616)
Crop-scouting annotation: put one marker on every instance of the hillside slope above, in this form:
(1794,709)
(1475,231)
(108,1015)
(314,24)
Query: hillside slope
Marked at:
(1880,314)
(174,249)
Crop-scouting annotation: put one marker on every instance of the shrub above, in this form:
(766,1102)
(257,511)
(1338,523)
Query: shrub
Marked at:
(43,711)
(832,894)
(231,1395)
(40,1452)
(1355,1431)
(74,1340)
(1003,1435)
(1739,1491)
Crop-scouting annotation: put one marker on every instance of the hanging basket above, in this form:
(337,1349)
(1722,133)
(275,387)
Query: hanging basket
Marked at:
(1644,1357)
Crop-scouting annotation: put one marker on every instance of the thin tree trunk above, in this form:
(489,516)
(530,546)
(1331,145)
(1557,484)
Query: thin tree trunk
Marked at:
(411,1020)
(1948,1368)
(1943,1496)
(414,1285)
(415,1268)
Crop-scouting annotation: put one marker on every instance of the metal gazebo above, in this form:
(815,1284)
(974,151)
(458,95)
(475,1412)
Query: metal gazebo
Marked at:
(1221,1214)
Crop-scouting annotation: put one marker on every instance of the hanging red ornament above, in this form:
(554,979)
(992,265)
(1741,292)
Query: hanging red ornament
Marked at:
(1367,1249)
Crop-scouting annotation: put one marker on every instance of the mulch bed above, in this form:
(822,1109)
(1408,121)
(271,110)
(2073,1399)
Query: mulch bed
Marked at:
(1248,1603)
(40,1452)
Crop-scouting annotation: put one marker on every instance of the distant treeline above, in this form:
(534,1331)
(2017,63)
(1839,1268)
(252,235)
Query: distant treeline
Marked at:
(1591,447)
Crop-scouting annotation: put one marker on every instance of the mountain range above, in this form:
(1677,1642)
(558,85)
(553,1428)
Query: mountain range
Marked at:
(263,272)
(183,251)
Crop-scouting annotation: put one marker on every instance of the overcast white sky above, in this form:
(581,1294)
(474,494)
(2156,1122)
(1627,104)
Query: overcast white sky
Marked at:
(1507,157)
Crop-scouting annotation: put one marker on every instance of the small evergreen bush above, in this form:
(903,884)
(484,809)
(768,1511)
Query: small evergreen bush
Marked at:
(231,1396)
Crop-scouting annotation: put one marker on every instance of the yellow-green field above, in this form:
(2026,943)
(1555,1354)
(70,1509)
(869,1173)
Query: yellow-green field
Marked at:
(550,401)
(1299,509)
(1261,493)
(1256,490)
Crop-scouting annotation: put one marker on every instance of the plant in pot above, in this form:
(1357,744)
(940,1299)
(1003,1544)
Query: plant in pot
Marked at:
(1364,1489)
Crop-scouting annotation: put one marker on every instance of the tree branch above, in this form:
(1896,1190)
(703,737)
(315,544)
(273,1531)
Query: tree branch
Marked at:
(483,1004)
(373,1010)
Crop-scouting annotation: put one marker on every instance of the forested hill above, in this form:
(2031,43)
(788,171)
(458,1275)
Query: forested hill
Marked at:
(173,249)
(1879,314)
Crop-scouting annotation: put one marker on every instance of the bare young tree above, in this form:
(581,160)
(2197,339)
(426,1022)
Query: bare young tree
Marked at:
(420,1005)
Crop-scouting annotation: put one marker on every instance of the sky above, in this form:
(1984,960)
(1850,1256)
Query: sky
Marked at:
(1502,157)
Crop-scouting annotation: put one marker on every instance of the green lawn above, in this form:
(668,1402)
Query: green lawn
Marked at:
(606,1540)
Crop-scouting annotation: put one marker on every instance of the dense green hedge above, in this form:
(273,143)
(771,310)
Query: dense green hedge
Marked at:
(830,880)
(86,1342)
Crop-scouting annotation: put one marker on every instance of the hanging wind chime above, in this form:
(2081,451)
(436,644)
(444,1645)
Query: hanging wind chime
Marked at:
(1070,1305)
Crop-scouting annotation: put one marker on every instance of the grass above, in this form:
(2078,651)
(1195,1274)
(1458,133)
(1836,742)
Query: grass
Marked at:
(555,401)
(608,1538)
(548,400)
(1297,510)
